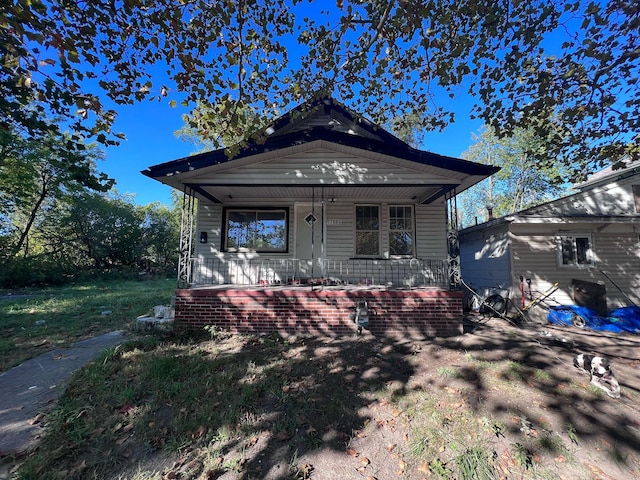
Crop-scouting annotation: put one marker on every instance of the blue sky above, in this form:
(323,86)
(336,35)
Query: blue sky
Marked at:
(150,125)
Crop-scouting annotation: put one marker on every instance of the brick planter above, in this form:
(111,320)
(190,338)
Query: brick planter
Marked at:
(321,312)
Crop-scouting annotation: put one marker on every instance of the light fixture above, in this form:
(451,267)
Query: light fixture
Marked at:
(203,237)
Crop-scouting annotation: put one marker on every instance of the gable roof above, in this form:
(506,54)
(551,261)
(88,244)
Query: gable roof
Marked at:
(326,125)
(592,202)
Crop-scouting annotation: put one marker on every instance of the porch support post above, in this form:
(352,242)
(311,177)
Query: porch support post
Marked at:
(452,240)
(186,238)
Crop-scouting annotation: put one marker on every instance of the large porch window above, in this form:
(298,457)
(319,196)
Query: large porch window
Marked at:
(256,230)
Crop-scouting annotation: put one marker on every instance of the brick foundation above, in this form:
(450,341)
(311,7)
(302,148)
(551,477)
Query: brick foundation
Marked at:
(321,312)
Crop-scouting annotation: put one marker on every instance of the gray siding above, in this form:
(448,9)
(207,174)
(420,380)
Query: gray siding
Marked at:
(485,259)
(616,254)
(431,233)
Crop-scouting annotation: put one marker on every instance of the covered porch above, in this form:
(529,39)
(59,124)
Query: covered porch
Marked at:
(327,215)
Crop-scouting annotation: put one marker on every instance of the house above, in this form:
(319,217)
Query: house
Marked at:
(587,242)
(329,215)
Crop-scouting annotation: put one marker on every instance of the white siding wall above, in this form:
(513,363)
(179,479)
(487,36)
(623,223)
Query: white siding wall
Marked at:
(611,199)
(431,231)
(431,243)
(617,253)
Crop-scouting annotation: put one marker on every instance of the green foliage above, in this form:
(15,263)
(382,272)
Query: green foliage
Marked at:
(213,126)
(32,175)
(567,70)
(79,232)
(527,177)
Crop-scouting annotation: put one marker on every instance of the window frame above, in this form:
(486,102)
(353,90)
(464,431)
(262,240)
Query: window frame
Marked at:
(355,231)
(227,211)
(412,217)
(560,240)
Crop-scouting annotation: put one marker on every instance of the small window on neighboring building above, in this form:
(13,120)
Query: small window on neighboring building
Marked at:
(256,230)
(576,250)
(636,196)
(367,234)
(401,233)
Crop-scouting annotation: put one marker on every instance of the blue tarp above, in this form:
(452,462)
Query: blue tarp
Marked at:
(625,319)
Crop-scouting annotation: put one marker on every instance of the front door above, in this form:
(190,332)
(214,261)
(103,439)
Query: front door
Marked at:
(309,239)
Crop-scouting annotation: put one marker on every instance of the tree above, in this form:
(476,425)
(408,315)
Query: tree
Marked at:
(208,127)
(32,175)
(160,236)
(524,180)
(569,70)
(103,229)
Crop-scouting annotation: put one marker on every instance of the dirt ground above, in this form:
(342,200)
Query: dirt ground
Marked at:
(602,433)
(367,408)
(517,381)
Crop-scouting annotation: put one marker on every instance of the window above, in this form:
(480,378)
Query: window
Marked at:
(256,230)
(636,196)
(576,250)
(367,231)
(401,230)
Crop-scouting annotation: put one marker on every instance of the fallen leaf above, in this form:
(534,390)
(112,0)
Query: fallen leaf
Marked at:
(364,461)
(352,452)
(283,436)
(37,419)
(390,447)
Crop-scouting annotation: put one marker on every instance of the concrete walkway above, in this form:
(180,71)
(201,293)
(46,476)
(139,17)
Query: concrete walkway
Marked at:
(34,386)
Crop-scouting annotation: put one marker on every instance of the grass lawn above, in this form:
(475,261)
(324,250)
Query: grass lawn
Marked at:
(40,320)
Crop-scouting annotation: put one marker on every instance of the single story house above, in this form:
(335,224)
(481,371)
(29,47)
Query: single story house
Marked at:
(328,222)
(587,242)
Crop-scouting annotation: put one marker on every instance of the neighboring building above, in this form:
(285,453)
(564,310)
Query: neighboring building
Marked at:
(587,238)
(329,199)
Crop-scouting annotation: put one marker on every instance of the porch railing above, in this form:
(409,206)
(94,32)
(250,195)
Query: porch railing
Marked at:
(402,273)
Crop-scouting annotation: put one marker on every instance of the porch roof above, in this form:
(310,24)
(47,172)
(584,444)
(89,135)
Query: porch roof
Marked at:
(323,127)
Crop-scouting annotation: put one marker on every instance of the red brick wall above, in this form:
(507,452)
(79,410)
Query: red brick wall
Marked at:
(322,312)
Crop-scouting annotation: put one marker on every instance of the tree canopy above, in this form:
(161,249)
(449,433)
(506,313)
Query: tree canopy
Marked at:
(521,182)
(566,69)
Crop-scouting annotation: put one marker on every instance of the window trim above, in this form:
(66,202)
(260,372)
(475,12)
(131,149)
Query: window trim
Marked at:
(225,237)
(575,235)
(355,230)
(413,230)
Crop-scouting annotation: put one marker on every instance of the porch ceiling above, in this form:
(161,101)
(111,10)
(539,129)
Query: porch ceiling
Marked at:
(348,193)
